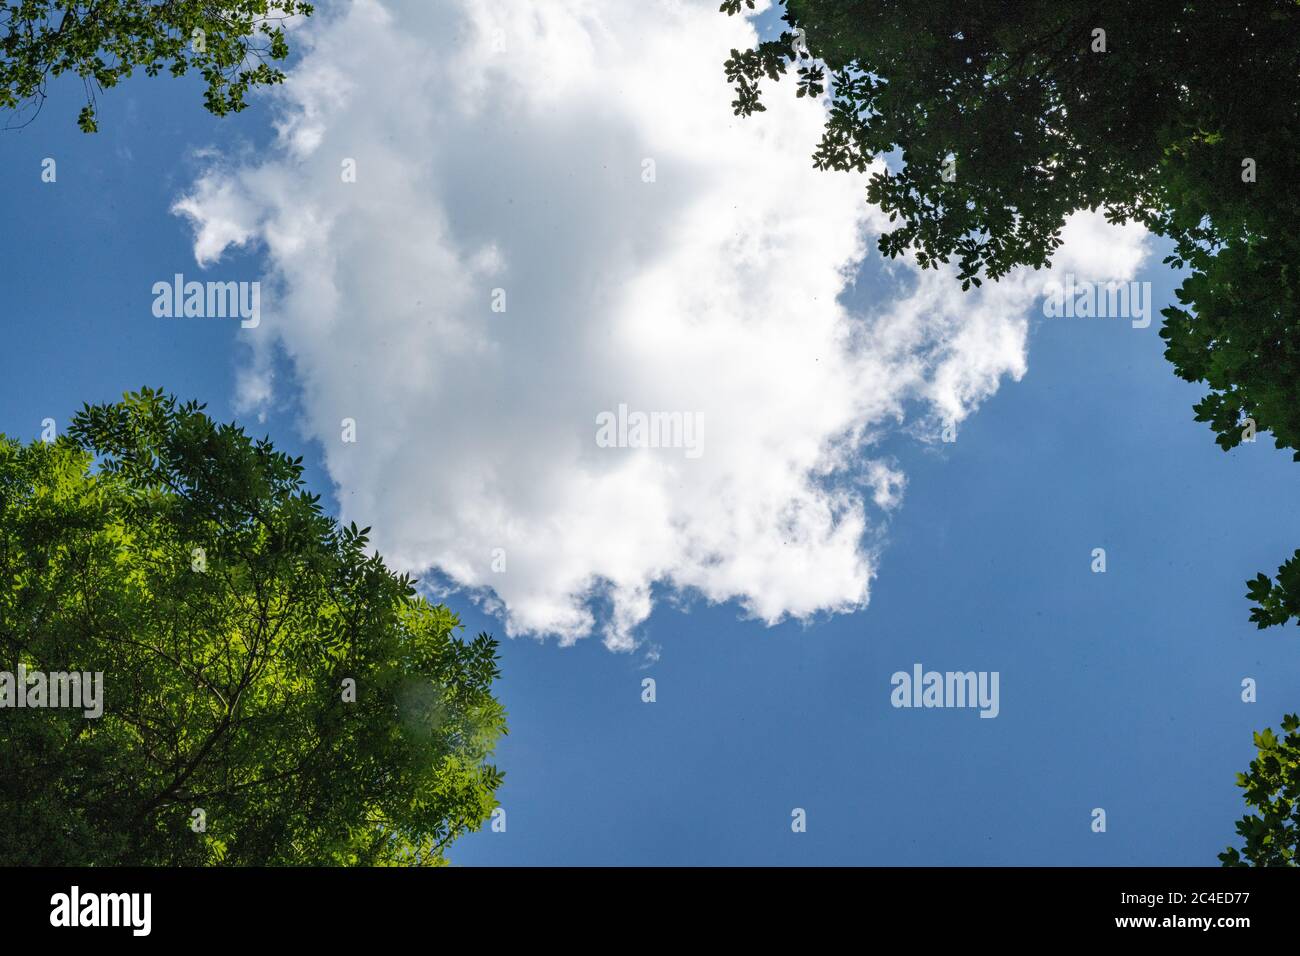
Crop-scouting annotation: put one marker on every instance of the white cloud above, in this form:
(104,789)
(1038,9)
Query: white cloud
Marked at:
(713,290)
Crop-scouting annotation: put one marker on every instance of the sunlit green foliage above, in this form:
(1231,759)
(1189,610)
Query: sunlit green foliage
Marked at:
(1273,788)
(232,44)
(188,563)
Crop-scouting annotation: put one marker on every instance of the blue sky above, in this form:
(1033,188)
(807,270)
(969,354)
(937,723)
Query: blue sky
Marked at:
(1118,690)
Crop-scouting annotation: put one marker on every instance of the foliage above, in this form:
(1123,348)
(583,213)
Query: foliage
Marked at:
(1273,787)
(1041,115)
(1041,121)
(232,44)
(187,563)
(1002,118)
(1277,601)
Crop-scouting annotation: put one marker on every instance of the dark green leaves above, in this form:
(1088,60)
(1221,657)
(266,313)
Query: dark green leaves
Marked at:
(1041,125)
(1276,603)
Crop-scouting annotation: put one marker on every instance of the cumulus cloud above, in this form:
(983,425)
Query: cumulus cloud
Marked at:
(577,162)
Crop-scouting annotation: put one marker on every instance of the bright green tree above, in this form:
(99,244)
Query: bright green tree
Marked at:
(1273,788)
(259,667)
(233,44)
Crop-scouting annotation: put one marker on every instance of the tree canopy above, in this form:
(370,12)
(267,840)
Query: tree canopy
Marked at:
(233,44)
(1000,118)
(1178,115)
(271,694)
